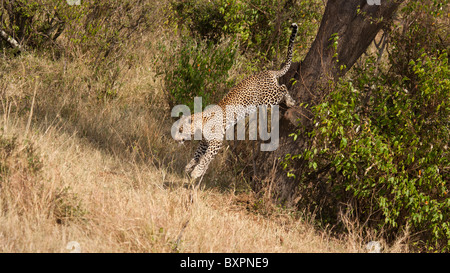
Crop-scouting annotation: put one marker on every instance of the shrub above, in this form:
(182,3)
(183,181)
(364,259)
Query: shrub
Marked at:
(33,23)
(388,150)
(196,69)
(211,20)
(261,27)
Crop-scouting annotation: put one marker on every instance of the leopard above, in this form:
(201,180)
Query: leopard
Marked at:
(259,89)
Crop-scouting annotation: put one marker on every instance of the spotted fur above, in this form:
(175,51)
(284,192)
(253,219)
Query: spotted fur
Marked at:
(259,89)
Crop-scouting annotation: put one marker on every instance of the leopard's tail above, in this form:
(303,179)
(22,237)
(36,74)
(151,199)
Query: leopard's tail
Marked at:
(287,65)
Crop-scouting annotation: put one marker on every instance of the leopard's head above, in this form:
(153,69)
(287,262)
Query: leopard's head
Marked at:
(182,129)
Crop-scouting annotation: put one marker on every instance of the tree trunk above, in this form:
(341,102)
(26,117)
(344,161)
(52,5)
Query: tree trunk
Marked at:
(356,23)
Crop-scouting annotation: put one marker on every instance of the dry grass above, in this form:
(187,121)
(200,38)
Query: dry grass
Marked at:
(117,206)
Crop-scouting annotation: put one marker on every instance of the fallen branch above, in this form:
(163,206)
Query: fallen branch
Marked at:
(11,41)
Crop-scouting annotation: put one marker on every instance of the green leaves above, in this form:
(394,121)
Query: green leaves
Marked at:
(260,26)
(389,150)
(198,68)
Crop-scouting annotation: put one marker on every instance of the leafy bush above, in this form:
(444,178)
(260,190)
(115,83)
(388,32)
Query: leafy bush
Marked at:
(423,26)
(197,69)
(387,149)
(107,25)
(260,26)
(33,23)
(99,27)
(269,25)
(211,20)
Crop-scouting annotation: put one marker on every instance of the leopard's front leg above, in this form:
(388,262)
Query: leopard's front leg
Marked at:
(212,149)
(201,150)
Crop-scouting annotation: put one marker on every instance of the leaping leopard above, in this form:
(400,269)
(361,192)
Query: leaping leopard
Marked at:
(259,89)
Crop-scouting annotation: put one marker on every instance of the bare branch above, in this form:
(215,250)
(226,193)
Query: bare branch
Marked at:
(11,41)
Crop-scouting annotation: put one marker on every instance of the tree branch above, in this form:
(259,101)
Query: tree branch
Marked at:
(11,41)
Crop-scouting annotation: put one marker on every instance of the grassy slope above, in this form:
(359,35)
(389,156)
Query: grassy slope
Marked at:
(120,206)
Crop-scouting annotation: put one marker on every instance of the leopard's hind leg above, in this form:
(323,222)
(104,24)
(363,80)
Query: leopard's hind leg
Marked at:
(290,102)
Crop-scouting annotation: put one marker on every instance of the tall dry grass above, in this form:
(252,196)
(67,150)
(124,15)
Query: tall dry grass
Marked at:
(107,204)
